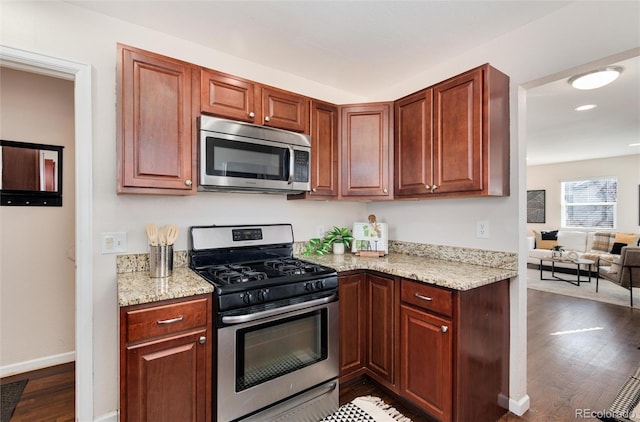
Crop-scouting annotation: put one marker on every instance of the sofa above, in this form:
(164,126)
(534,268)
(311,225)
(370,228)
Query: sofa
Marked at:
(602,247)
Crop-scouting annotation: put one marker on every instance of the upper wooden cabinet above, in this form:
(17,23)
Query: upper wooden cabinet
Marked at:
(235,98)
(366,151)
(156,134)
(453,139)
(324,150)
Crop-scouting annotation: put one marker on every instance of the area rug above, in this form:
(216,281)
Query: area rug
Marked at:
(625,406)
(366,408)
(608,292)
(9,397)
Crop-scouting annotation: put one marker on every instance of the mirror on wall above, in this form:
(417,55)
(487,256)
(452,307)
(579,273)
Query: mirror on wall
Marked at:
(31,174)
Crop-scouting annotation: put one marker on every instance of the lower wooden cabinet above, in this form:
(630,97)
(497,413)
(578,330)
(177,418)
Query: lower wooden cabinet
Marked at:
(444,351)
(165,361)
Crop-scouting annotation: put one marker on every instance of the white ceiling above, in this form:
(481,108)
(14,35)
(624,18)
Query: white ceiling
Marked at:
(356,45)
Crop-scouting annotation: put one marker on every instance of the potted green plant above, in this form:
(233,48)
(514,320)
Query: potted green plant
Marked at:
(557,250)
(337,239)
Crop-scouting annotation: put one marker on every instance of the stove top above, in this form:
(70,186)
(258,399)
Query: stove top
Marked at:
(254,265)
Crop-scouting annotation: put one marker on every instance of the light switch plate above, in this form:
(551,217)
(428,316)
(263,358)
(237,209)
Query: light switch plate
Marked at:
(113,242)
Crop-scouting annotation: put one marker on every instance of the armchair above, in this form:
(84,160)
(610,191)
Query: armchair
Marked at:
(624,272)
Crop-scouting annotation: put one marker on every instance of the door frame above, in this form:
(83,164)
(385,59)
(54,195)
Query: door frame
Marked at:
(81,75)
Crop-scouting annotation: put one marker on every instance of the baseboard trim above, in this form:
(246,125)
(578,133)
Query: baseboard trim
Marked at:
(109,417)
(35,364)
(519,407)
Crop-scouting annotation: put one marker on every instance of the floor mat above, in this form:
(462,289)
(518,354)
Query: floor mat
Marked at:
(10,396)
(366,409)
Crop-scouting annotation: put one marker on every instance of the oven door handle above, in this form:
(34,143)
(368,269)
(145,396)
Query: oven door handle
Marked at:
(239,319)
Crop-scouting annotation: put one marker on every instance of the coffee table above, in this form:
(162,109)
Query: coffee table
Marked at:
(577,262)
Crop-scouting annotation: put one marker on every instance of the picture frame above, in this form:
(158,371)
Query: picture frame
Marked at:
(536,204)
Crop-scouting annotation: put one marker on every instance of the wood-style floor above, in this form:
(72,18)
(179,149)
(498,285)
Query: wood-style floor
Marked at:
(579,354)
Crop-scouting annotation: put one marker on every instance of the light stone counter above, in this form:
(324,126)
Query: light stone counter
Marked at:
(137,287)
(453,275)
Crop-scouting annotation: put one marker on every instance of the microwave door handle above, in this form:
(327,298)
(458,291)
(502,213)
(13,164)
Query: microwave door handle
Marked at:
(291,163)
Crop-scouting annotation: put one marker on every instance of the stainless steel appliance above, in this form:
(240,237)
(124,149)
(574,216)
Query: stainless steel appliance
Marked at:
(277,324)
(244,157)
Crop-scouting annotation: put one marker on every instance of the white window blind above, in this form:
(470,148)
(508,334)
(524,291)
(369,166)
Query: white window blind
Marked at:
(590,203)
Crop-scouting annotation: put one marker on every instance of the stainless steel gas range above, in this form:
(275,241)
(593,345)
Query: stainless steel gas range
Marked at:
(277,324)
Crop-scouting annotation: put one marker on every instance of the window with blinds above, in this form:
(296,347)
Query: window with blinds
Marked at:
(590,203)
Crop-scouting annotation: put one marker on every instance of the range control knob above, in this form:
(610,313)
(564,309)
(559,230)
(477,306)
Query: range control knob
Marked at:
(319,284)
(246,297)
(262,295)
(309,286)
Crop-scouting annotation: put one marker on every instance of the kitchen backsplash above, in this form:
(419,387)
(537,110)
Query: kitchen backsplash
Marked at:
(505,260)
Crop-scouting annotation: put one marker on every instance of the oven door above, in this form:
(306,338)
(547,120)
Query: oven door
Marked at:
(236,162)
(271,359)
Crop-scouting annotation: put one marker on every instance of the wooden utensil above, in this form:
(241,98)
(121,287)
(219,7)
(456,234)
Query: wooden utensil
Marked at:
(171,233)
(152,234)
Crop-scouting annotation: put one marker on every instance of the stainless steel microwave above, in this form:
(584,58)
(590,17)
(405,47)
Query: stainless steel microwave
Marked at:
(237,156)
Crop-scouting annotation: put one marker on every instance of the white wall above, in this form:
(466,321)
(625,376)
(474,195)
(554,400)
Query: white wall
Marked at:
(574,35)
(625,168)
(37,271)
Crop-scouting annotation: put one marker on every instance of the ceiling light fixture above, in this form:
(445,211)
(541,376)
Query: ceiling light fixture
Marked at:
(585,107)
(635,145)
(596,78)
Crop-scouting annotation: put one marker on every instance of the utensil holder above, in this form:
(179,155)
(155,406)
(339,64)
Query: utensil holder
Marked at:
(160,261)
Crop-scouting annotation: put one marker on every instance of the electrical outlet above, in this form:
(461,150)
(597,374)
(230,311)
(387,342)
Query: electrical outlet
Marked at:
(113,242)
(320,231)
(482,229)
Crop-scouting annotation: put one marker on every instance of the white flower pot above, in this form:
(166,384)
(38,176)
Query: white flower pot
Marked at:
(338,248)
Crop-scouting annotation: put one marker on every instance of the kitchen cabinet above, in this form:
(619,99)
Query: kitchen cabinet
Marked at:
(352,306)
(324,152)
(449,340)
(452,139)
(366,159)
(380,328)
(426,351)
(165,360)
(156,133)
(235,98)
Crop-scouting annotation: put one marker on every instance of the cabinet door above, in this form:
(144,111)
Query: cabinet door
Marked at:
(413,144)
(366,157)
(352,325)
(457,165)
(166,380)
(324,150)
(156,128)
(228,96)
(285,110)
(426,377)
(380,315)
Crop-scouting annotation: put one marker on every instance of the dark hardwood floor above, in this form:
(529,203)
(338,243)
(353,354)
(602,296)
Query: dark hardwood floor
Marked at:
(579,354)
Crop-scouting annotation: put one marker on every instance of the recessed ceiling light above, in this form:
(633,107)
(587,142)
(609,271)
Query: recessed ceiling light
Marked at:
(635,145)
(585,107)
(596,79)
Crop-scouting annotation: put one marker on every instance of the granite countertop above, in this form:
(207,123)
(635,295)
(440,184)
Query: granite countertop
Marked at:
(137,287)
(459,271)
(453,275)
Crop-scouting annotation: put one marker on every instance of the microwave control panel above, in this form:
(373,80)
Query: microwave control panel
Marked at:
(301,166)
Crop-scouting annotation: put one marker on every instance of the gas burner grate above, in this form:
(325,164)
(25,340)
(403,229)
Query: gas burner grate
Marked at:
(233,274)
(291,266)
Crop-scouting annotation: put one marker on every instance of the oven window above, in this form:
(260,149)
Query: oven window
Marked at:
(245,159)
(270,350)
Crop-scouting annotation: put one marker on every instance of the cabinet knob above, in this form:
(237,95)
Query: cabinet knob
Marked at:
(444,328)
(252,114)
(385,191)
(267,118)
(427,187)
(433,188)
(188,182)
(314,190)
(202,340)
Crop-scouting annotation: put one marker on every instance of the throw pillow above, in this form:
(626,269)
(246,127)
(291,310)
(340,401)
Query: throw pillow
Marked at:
(602,241)
(546,244)
(628,238)
(617,248)
(549,235)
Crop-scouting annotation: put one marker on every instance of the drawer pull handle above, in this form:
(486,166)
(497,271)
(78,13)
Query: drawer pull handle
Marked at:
(444,328)
(170,321)
(419,296)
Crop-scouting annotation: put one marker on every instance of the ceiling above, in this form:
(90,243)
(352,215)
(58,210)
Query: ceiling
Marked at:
(355,46)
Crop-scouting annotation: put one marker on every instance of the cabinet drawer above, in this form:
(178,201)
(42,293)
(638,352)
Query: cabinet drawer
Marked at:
(427,297)
(165,319)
